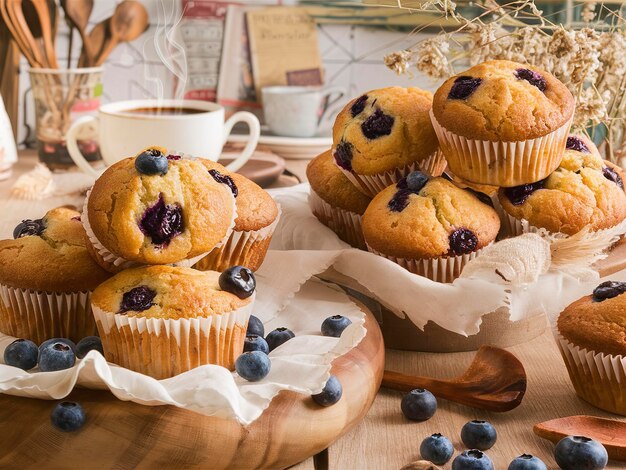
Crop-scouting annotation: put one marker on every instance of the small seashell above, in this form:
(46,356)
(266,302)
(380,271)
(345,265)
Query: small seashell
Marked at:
(38,183)
(420,465)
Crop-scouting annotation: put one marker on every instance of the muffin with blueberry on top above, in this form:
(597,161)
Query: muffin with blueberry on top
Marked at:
(383,135)
(584,192)
(46,277)
(181,317)
(502,123)
(429,226)
(157,208)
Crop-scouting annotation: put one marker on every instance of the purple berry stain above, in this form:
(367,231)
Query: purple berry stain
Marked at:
(377,125)
(358,106)
(463,241)
(463,87)
(519,194)
(400,200)
(343,155)
(225,179)
(612,175)
(137,299)
(162,222)
(577,144)
(174,157)
(532,77)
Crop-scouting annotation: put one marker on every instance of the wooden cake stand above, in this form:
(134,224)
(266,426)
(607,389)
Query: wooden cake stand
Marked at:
(126,435)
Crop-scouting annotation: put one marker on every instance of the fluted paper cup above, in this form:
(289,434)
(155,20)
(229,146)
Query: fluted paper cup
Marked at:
(346,224)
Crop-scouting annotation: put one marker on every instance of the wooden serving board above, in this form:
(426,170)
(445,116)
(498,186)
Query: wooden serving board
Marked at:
(126,435)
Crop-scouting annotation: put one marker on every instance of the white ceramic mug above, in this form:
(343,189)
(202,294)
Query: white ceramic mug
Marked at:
(123,133)
(298,111)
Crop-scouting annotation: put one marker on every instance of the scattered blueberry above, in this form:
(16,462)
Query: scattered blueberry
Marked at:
(358,106)
(419,405)
(472,460)
(68,416)
(334,326)
(225,179)
(137,299)
(343,155)
(255,343)
(29,227)
(279,336)
(608,290)
(463,241)
(580,453)
(21,353)
(400,200)
(162,222)
(436,449)
(532,77)
(239,281)
(377,125)
(577,144)
(479,434)
(527,462)
(463,87)
(253,365)
(151,162)
(56,354)
(255,326)
(87,344)
(330,394)
(612,175)
(47,342)
(518,194)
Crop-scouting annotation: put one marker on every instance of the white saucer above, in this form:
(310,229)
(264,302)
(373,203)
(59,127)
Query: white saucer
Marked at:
(293,148)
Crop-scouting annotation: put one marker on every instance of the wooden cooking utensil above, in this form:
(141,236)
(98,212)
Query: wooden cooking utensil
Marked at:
(45,19)
(128,22)
(610,433)
(98,36)
(494,381)
(30,50)
(77,13)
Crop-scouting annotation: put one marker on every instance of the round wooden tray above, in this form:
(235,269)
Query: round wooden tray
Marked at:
(126,435)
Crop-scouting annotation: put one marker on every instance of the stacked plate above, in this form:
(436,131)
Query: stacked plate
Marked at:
(291,148)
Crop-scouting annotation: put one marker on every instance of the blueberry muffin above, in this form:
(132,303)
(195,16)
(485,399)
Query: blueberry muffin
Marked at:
(502,123)
(429,226)
(157,208)
(591,334)
(257,217)
(335,201)
(584,191)
(46,276)
(165,320)
(385,134)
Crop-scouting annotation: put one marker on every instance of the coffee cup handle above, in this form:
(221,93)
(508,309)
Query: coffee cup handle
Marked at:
(72,145)
(333,95)
(253,139)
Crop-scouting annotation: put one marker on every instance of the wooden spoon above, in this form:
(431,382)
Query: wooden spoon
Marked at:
(17,26)
(494,381)
(77,13)
(610,433)
(46,24)
(98,36)
(128,22)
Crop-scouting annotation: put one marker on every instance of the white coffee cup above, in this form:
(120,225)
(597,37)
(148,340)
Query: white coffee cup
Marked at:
(298,111)
(124,130)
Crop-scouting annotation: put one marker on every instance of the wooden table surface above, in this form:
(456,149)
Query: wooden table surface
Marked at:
(386,440)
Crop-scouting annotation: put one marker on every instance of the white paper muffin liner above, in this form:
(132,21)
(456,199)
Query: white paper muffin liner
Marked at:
(371,185)
(162,347)
(243,248)
(346,224)
(599,379)
(113,263)
(39,316)
(444,269)
(502,163)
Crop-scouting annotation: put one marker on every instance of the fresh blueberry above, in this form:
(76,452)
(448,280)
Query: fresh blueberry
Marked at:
(358,106)
(253,365)
(68,416)
(580,453)
(436,449)
(29,227)
(577,144)
(463,87)
(56,355)
(162,222)
(608,290)
(377,125)
(137,299)
(478,434)
(278,336)
(87,344)
(419,405)
(343,155)
(400,200)
(151,162)
(21,353)
(472,460)
(330,394)
(416,180)
(527,462)
(48,342)
(518,194)
(255,326)
(225,179)
(255,343)
(532,77)
(612,175)
(239,281)
(334,326)
(462,241)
